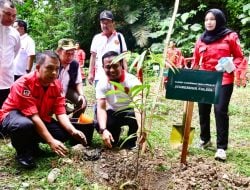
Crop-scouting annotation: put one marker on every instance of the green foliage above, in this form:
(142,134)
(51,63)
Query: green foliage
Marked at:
(185,34)
(143,23)
(245,20)
(45,21)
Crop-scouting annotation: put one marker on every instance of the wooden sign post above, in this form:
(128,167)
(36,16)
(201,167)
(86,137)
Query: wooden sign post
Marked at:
(192,86)
(188,120)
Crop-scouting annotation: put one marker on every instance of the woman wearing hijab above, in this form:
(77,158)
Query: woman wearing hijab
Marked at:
(216,42)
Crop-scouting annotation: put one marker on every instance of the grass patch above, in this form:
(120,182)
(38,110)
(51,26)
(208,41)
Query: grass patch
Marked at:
(72,176)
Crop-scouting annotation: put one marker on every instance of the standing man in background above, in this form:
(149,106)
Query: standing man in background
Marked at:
(9,47)
(107,40)
(240,74)
(174,55)
(25,57)
(80,58)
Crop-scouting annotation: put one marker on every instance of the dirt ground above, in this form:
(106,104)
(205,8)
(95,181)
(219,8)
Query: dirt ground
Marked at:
(119,170)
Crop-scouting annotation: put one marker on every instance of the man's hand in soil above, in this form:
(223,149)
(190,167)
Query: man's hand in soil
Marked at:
(58,147)
(79,136)
(107,138)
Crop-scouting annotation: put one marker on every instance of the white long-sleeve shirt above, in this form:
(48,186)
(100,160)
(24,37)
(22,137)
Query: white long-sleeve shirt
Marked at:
(9,47)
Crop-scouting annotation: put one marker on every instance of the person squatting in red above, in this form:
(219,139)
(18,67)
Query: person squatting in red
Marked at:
(26,115)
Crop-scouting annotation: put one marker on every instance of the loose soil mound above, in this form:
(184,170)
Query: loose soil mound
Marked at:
(118,169)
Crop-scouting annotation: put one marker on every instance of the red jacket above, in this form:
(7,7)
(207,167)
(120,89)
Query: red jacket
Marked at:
(29,97)
(209,54)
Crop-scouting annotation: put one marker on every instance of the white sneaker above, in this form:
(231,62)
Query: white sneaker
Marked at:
(220,155)
(204,145)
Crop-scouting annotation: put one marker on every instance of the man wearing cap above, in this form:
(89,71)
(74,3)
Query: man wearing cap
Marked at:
(70,76)
(9,47)
(107,40)
(26,114)
(112,113)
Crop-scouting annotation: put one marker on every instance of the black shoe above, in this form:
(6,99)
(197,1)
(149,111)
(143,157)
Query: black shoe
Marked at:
(26,161)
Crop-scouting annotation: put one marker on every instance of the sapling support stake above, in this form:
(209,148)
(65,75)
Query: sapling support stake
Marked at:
(159,86)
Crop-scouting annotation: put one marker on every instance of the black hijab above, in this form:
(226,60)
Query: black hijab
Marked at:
(220,29)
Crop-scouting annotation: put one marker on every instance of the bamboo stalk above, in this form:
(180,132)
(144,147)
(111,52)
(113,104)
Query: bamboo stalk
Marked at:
(160,83)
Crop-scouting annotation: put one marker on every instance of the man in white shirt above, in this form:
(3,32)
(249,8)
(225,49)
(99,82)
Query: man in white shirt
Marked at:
(25,57)
(107,40)
(112,110)
(9,47)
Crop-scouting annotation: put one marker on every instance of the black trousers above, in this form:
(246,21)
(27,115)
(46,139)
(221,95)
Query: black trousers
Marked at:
(115,120)
(221,118)
(23,134)
(72,97)
(3,95)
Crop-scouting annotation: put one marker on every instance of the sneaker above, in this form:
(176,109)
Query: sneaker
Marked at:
(220,155)
(204,145)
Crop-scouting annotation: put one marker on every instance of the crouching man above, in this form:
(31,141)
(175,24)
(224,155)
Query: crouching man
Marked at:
(70,77)
(110,117)
(26,114)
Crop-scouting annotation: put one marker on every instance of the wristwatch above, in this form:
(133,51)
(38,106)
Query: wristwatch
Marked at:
(101,131)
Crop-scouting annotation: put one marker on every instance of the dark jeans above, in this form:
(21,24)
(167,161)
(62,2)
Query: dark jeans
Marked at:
(221,117)
(73,96)
(3,95)
(23,134)
(115,120)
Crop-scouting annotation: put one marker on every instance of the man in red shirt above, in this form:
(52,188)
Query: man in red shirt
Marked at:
(240,74)
(173,58)
(26,114)
(80,58)
(174,55)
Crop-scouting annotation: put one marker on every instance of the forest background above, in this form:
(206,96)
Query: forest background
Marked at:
(144,23)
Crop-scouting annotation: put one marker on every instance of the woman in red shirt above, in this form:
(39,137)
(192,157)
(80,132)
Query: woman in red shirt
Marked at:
(216,42)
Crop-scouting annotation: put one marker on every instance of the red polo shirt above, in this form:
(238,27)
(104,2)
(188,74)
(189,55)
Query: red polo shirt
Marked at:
(175,56)
(29,97)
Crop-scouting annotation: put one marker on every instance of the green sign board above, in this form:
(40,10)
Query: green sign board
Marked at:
(194,85)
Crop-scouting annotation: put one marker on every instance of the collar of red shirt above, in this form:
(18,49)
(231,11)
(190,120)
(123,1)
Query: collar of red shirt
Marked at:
(113,33)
